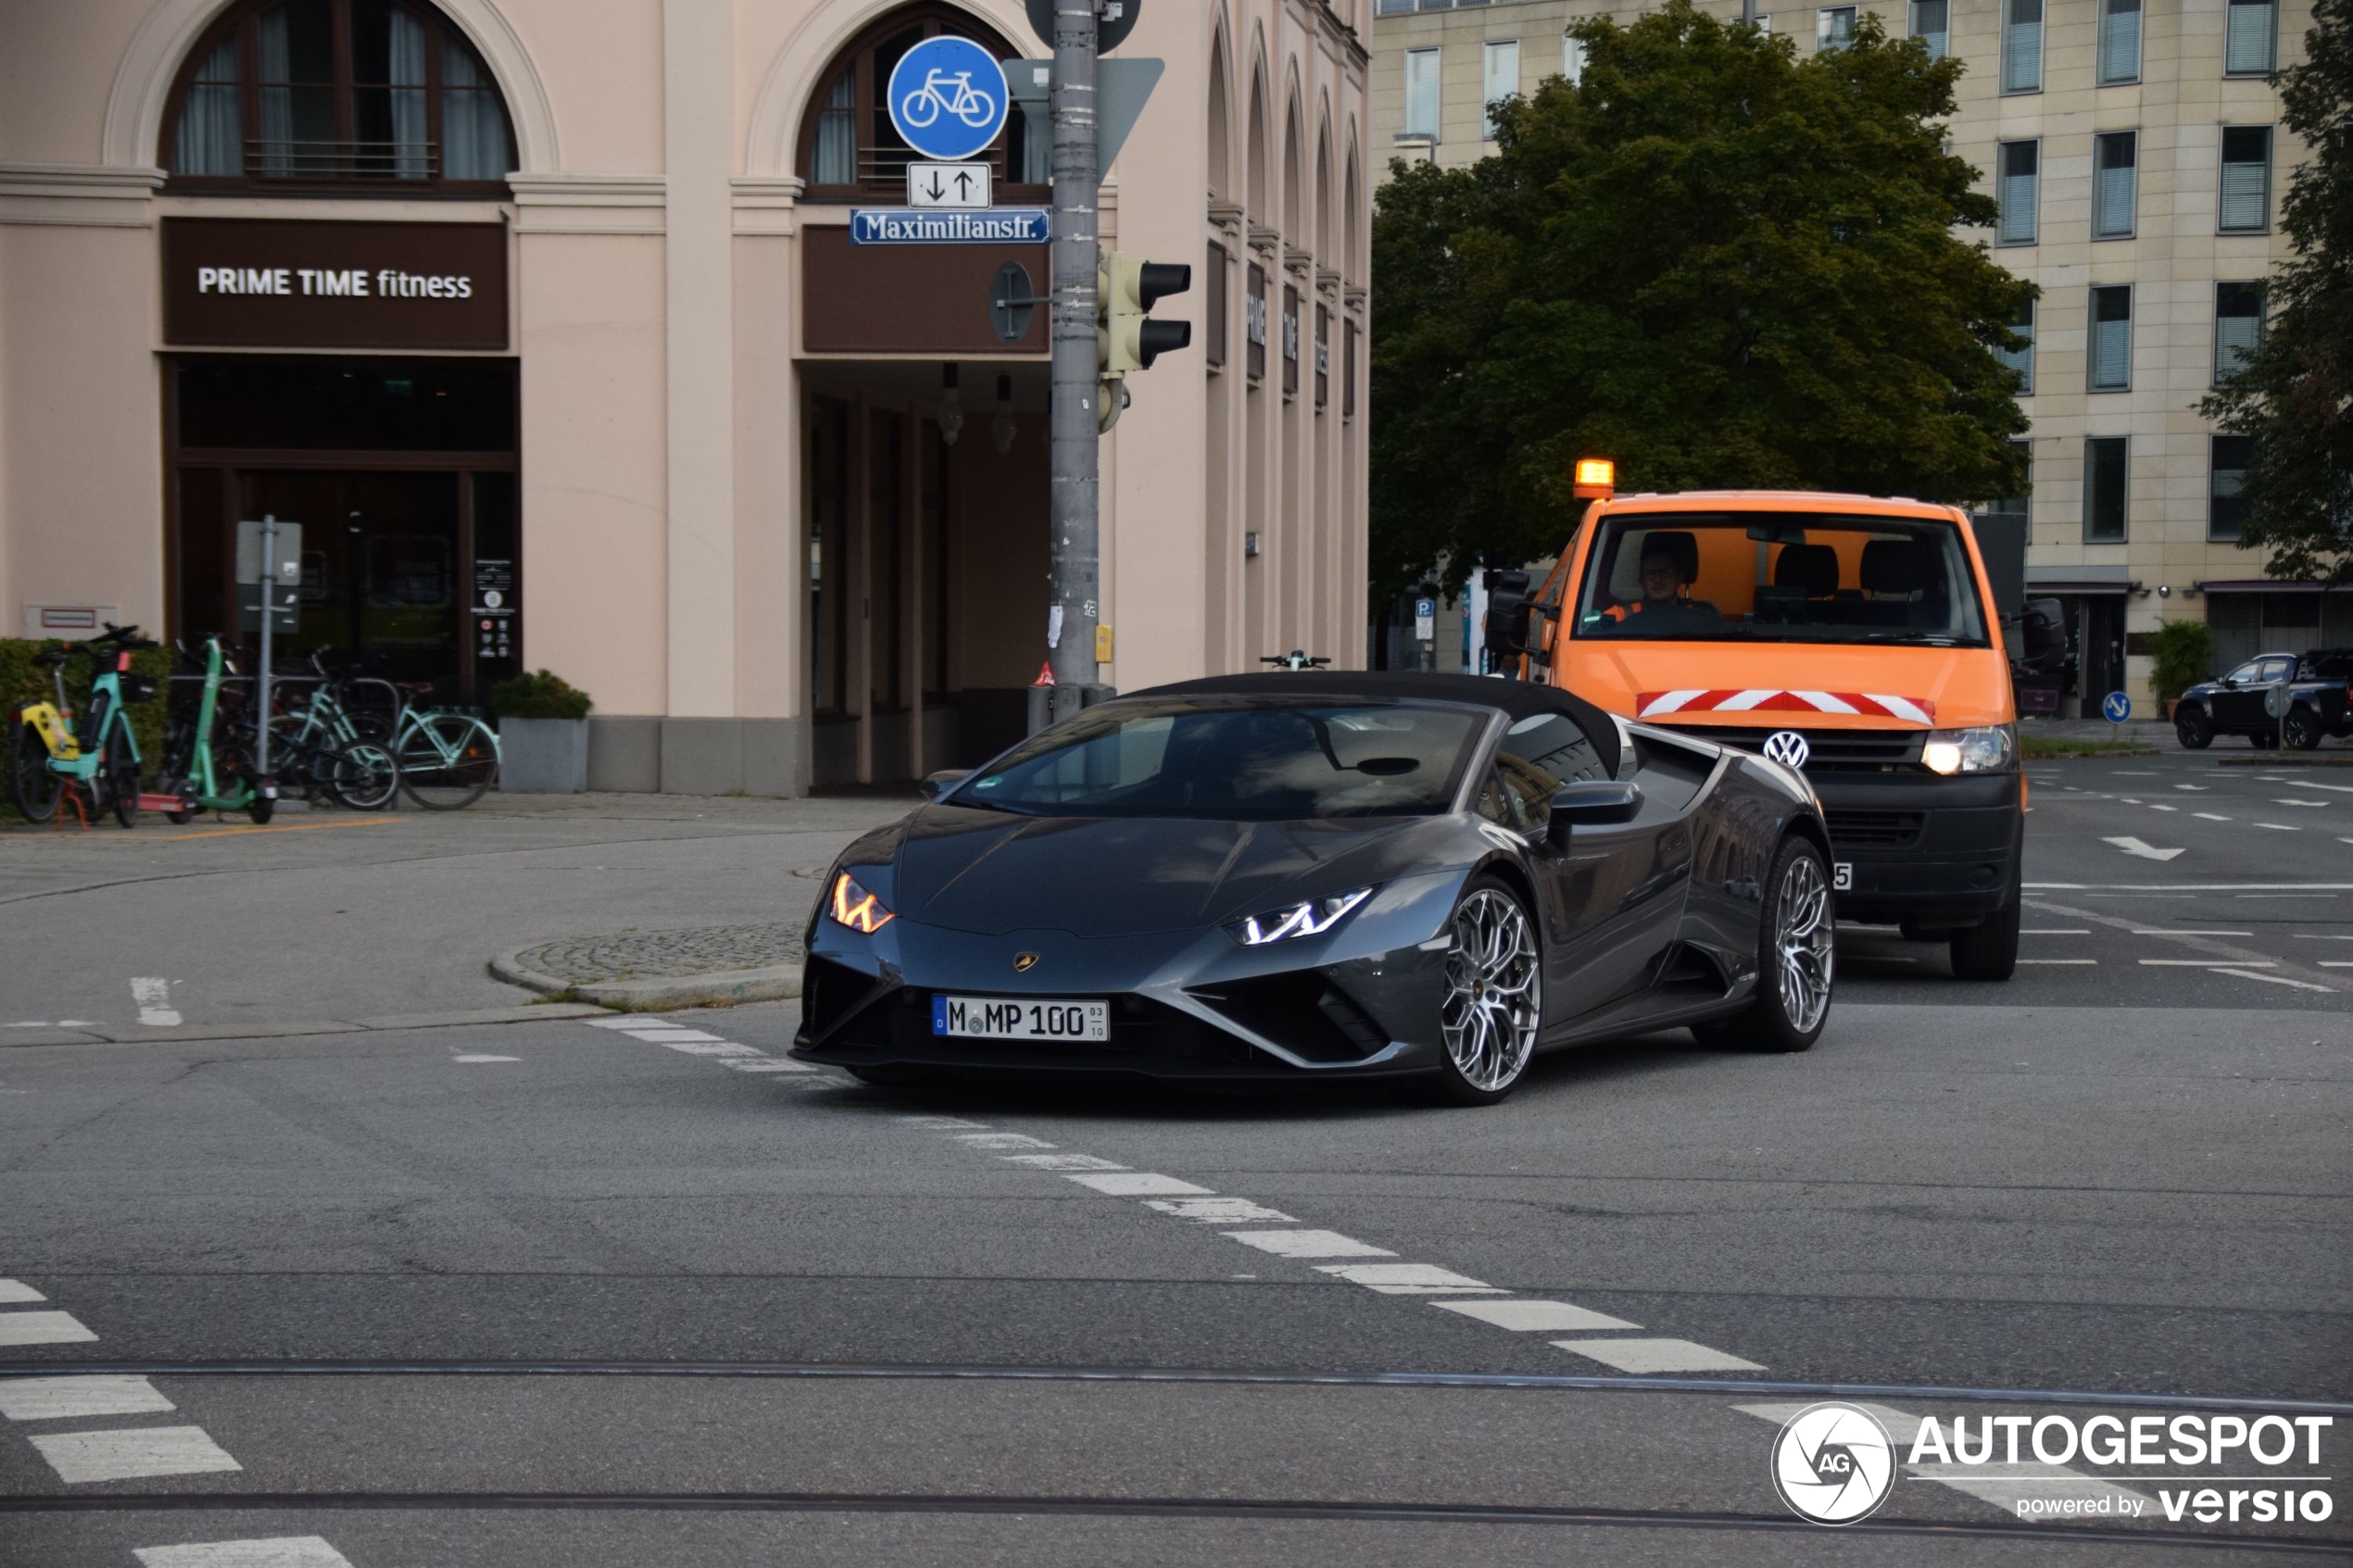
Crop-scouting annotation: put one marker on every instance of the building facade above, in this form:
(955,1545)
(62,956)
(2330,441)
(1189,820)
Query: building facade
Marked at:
(547,326)
(2136,154)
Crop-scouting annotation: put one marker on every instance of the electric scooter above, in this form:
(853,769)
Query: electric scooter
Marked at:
(203,779)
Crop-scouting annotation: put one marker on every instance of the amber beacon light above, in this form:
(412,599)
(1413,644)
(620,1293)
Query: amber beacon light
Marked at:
(1596,479)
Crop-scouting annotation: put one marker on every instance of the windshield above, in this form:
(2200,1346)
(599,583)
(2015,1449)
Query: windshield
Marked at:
(1783,577)
(1236,759)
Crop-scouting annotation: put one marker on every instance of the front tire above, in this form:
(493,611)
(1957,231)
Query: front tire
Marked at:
(1493,1008)
(122,782)
(31,783)
(2192,727)
(1796,958)
(1989,951)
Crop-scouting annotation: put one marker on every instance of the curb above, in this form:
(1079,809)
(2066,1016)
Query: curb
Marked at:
(113,1035)
(720,989)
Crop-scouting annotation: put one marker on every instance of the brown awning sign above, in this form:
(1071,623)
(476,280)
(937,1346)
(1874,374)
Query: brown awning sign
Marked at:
(290,284)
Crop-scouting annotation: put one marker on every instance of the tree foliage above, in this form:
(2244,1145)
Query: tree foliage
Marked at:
(1717,263)
(2294,395)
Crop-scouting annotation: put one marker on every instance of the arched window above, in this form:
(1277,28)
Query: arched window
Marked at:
(379,95)
(849,150)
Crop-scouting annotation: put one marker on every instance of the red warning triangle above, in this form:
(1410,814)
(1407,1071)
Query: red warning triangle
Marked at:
(1045,675)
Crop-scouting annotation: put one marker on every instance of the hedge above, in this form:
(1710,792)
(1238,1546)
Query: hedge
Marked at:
(23,682)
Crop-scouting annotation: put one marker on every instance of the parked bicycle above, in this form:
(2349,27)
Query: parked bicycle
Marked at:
(446,758)
(328,746)
(49,753)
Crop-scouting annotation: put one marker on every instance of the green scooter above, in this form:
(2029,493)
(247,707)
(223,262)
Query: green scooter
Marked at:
(203,779)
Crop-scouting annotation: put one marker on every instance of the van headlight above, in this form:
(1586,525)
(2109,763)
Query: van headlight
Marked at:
(1989,749)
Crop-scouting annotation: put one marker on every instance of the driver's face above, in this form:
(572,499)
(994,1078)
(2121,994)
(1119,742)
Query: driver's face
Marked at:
(1661,577)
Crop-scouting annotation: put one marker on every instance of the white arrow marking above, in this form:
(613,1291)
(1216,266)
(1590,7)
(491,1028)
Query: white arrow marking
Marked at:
(2134,846)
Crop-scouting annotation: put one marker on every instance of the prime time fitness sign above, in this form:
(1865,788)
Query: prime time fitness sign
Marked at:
(290,284)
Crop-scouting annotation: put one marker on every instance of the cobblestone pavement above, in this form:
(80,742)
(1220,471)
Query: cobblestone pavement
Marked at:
(660,954)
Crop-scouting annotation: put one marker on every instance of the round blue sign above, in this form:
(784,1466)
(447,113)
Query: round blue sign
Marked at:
(2118,707)
(948,98)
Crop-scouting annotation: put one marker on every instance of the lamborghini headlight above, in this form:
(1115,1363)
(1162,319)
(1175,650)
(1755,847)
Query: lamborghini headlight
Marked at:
(1990,748)
(852,906)
(1311,918)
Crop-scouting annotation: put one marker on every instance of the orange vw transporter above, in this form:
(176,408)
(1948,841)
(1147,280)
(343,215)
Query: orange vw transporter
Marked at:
(1852,637)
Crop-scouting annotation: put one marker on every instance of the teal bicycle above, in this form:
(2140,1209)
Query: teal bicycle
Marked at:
(325,746)
(446,758)
(49,753)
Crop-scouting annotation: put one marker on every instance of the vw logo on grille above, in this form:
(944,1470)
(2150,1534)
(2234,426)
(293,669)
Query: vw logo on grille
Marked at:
(1788,747)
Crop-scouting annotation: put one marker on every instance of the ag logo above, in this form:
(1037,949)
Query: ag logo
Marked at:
(1025,963)
(1788,747)
(1833,1463)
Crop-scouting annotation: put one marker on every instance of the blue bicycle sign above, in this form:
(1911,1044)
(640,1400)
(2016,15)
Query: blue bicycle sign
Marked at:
(948,98)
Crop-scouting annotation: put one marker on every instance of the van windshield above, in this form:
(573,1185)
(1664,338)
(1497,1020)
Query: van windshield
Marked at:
(1793,577)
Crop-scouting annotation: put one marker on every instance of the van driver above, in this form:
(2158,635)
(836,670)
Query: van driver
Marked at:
(1663,610)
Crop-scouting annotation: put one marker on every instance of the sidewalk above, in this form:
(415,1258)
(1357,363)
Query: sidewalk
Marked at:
(333,916)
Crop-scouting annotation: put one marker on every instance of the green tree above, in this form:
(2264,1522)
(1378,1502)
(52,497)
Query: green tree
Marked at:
(1717,263)
(2295,395)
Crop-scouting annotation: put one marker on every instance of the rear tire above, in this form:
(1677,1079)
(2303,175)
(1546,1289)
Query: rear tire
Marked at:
(122,780)
(262,810)
(1989,951)
(2300,731)
(1796,959)
(31,783)
(1493,1008)
(2192,727)
(454,781)
(363,777)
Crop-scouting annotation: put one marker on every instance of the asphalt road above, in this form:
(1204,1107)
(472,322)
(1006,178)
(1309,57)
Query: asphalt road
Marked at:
(633,1291)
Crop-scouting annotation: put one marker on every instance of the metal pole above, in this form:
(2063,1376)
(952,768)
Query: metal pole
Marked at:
(1074,591)
(261,678)
(1748,12)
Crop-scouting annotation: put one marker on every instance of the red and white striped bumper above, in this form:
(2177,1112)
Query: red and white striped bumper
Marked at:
(1908,709)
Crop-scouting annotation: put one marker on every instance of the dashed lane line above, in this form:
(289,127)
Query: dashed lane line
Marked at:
(131,1453)
(1536,1317)
(43,1328)
(2177,963)
(2279,827)
(79,1396)
(153,996)
(2211,817)
(278,1552)
(2274,979)
(13,1291)
(2053,963)
(2220,956)
(1656,1355)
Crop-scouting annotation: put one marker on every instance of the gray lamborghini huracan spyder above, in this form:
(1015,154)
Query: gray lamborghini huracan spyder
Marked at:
(1326,874)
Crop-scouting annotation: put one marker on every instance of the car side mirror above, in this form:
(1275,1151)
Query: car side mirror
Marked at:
(937,784)
(1593,803)
(1507,613)
(2043,629)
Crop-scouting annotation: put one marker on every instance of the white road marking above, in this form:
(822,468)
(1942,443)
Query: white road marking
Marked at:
(2154,806)
(1219,1210)
(2182,933)
(2058,961)
(43,1328)
(2004,1485)
(628,1022)
(763,1064)
(2112,773)
(699,1048)
(1052,1161)
(279,1552)
(2207,816)
(1132,1184)
(276,1553)
(2200,788)
(2290,889)
(55,1398)
(80,1458)
(929,1124)
(660,1036)
(2308,936)
(2282,801)
(1406,1279)
(1656,1355)
(992,1140)
(2245,973)
(468,1057)
(2166,963)
(2275,827)
(154,996)
(16,1289)
(1307,1244)
(2043,931)
(2300,783)
(1535,1317)
(2135,847)
(2325,963)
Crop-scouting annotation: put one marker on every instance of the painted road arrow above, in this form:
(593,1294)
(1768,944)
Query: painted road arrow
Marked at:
(2147,852)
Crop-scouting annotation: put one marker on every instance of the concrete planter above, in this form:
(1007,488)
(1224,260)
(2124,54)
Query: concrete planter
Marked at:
(542,755)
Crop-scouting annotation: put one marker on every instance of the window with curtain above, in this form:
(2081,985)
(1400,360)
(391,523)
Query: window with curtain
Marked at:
(2022,46)
(2238,326)
(2111,356)
(2107,466)
(1932,22)
(2250,31)
(2113,190)
(2120,41)
(2019,191)
(2227,457)
(848,148)
(382,94)
(1572,59)
(1421,92)
(2247,178)
(1833,27)
(2022,359)
(1499,79)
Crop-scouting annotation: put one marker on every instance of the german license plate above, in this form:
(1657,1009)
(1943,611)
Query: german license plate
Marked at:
(1843,877)
(1039,1018)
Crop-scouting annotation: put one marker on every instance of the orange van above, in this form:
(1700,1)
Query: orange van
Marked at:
(1852,637)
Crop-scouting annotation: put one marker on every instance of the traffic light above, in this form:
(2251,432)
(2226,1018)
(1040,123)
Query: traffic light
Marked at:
(1126,337)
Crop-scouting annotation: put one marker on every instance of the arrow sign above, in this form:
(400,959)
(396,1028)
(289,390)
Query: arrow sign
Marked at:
(948,185)
(2146,852)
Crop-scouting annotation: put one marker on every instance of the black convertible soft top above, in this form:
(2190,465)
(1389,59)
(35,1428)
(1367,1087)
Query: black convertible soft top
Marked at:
(1521,699)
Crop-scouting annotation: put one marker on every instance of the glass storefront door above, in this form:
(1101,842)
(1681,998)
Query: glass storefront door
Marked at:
(381,573)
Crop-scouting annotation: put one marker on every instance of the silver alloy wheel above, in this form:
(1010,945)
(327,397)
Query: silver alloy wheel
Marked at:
(1805,945)
(1494,991)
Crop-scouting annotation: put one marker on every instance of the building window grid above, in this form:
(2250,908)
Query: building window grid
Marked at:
(1573,59)
(2238,326)
(2022,359)
(2250,37)
(2119,53)
(2244,202)
(2022,46)
(1931,23)
(2115,187)
(2018,191)
(2227,457)
(2109,364)
(1833,27)
(1499,63)
(1421,93)
(2107,473)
